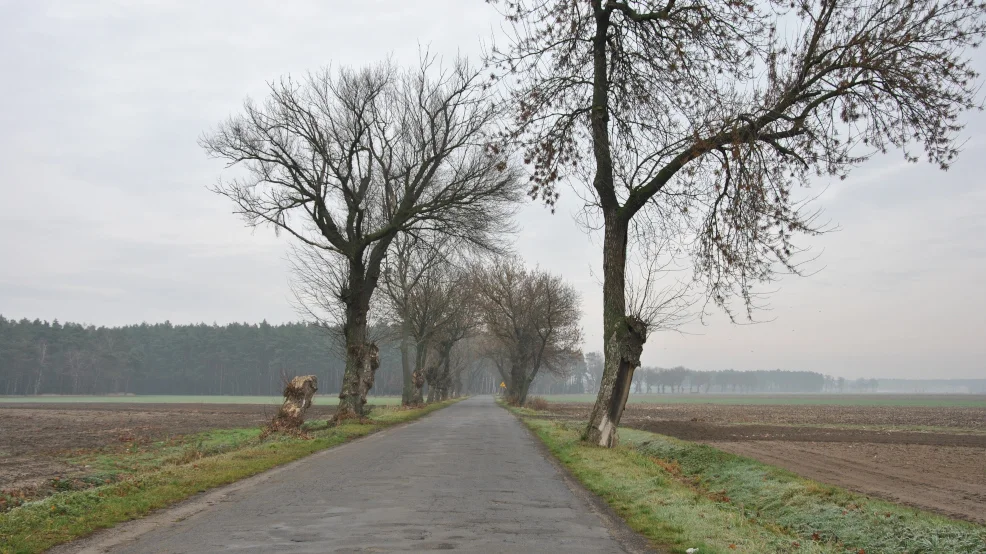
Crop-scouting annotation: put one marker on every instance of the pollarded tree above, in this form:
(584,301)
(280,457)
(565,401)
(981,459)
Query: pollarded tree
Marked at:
(531,319)
(345,161)
(699,119)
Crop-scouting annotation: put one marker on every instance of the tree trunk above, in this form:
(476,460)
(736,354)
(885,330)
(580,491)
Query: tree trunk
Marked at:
(362,357)
(517,385)
(418,378)
(624,337)
(407,393)
(361,362)
(418,375)
(522,393)
(444,374)
(432,376)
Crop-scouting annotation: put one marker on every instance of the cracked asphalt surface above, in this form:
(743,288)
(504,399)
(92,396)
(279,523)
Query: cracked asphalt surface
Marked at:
(469,477)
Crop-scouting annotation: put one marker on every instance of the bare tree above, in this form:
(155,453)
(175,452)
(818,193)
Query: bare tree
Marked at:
(465,362)
(346,161)
(412,266)
(458,324)
(704,117)
(531,319)
(427,295)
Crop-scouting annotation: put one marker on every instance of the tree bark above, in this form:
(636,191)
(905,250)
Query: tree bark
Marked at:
(418,378)
(624,337)
(433,374)
(349,400)
(407,393)
(418,375)
(362,358)
(522,393)
(444,374)
(517,385)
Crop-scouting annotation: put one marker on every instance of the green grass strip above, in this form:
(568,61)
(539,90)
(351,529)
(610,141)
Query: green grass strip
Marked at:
(683,495)
(167,473)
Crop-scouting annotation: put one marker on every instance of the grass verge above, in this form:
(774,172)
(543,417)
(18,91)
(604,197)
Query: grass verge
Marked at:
(684,495)
(134,481)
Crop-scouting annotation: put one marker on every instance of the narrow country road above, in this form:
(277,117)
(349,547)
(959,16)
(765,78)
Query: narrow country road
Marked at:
(469,477)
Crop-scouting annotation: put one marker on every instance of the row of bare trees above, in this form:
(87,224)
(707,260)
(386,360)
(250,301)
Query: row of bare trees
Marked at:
(400,201)
(348,162)
(689,125)
(452,311)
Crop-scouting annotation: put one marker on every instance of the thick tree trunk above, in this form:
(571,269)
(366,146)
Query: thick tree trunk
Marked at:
(517,385)
(624,337)
(522,393)
(362,361)
(362,357)
(443,380)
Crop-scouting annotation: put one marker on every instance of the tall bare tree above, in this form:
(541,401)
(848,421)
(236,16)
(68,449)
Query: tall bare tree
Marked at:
(531,319)
(345,161)
(702,118)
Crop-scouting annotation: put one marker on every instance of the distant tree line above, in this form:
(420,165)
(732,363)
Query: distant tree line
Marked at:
(41,357)
(679,379)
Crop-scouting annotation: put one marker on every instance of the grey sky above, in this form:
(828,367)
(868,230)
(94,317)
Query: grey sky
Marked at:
(106,218)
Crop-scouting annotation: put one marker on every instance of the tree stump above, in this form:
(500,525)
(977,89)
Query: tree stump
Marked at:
(297,399)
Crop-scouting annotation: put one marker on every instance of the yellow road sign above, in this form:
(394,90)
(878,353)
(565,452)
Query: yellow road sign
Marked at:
(503,385)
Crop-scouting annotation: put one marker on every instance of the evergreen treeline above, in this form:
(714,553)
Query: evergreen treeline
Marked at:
(680,380)
(677,379)
(38,357)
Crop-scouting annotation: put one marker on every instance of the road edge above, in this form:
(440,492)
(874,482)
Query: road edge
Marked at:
(103,540)
(629,540)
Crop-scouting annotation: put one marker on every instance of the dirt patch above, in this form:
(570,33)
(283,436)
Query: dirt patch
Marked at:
(34,436)
(701,431)
(886,416)
(928,457)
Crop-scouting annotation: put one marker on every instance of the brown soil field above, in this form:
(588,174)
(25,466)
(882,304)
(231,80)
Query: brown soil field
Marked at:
(931,458)
(33,437)
(950,480)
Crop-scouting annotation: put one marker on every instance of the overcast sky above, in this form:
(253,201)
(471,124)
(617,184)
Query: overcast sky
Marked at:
(106,218)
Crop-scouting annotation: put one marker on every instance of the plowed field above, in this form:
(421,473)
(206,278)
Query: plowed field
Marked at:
(927,457)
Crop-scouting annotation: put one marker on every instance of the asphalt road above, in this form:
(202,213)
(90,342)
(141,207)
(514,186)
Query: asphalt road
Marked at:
(469,477)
